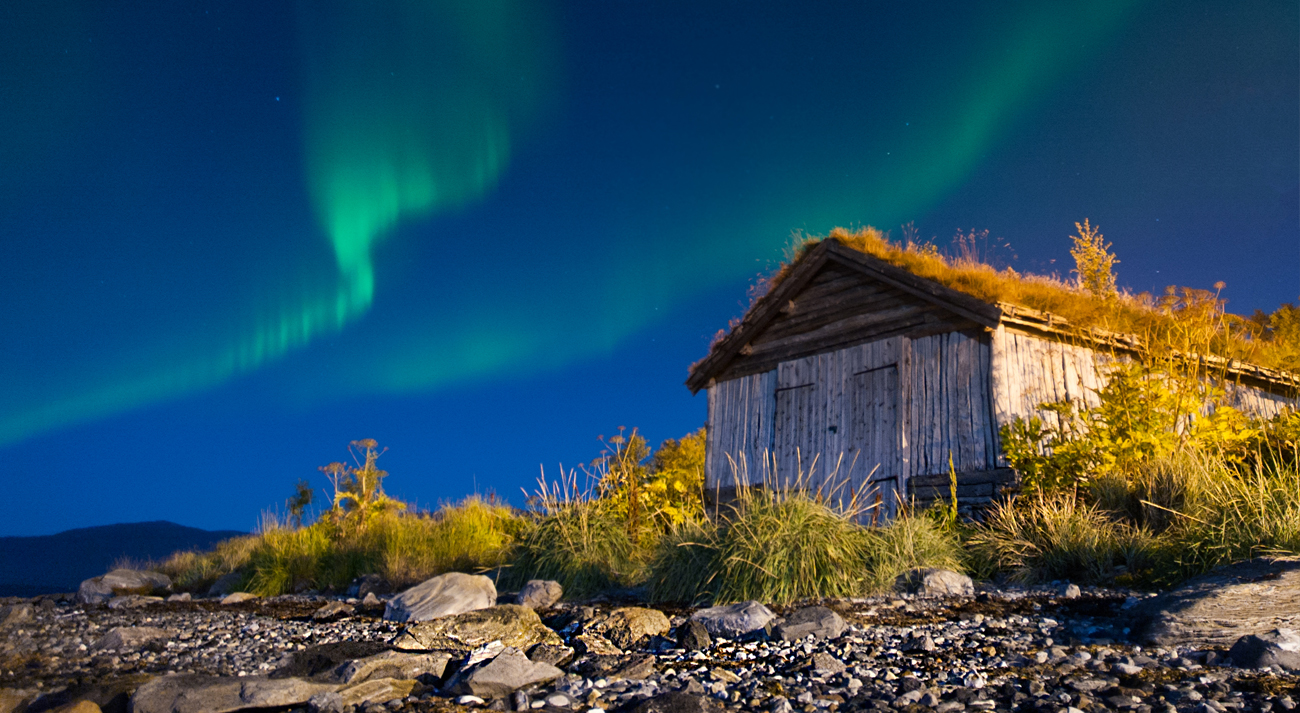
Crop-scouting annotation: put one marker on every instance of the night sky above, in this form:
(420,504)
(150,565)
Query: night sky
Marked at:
(236,236)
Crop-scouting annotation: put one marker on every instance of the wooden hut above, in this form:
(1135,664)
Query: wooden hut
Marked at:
(857,367)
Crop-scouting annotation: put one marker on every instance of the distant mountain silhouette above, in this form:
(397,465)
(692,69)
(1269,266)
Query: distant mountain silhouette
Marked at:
(58,563)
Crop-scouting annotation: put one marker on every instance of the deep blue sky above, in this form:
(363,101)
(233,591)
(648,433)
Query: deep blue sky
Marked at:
(236,235)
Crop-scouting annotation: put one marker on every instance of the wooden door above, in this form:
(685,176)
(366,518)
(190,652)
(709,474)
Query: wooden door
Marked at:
(793,437)
(874,440)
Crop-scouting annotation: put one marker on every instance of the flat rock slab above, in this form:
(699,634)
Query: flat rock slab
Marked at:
(508,672)
(193,693)
(1220,607)
(445,595)
(511,624)
(97,590)
(376,691)
(818,622)
(321,660)
(734,620)
(391,665)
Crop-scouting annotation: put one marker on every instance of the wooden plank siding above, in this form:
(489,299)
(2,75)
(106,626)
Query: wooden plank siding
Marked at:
(739,433)
(1029,370)
(865,418)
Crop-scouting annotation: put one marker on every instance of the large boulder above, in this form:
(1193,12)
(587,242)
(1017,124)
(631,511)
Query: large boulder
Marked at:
(818,622)
(733,621)
(98,590)
(627,626)
(932,582)
(1219,607)
(195,693)
(445,595)
(508,672)
(510,624)
(1280,648)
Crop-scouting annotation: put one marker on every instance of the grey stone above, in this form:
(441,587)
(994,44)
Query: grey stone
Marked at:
(130,637)
(633,668)
(506,673)
(823,664)
(510,624)
(1280,647)
(238,598)
(182,597)
(539,594)
(370,601)
(819,622)
(553,654)
(227,584)
(626,627)
(445,595)
(368,584)
(193,693)
(1218,608)
(326,702)
(930,581)
(677,702)
(733,621)
(692,636)
(333,610)
(1069,591)
(98,590)
(592,644)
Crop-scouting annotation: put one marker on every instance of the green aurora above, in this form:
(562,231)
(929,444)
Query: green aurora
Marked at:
(413,109)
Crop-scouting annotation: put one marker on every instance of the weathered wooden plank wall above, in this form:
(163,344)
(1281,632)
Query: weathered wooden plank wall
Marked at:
(1028,371)
(739,429)
(1258,402)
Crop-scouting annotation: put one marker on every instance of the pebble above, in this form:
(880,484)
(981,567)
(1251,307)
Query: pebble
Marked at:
(1021,650)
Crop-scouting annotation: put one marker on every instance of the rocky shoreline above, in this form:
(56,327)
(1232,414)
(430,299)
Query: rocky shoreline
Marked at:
(1055,649)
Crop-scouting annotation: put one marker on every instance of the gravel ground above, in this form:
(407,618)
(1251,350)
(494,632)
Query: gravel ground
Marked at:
(1001,650)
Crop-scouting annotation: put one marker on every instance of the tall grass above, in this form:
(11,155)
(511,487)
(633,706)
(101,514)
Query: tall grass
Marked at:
(1057,536)
(1176,516)
(576,539)
(785,544)
(404,548)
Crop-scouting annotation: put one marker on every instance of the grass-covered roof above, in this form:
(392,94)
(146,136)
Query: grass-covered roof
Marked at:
(1183,319)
